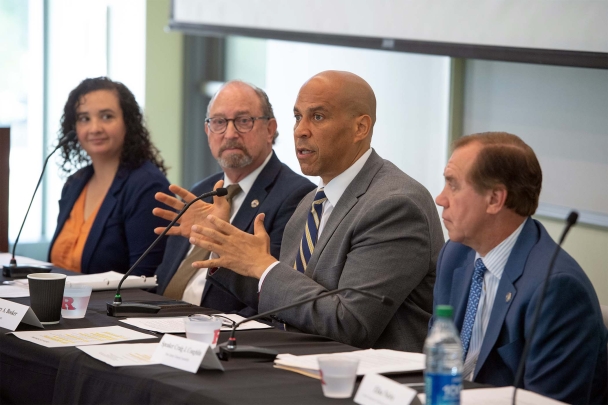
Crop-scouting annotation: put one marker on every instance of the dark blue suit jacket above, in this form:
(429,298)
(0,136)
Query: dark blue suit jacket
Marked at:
(278,190)
(567,360)
(124,226)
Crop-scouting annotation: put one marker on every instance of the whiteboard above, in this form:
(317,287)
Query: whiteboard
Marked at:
(513,26)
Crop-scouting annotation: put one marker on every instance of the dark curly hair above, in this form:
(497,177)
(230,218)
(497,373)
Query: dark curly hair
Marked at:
(137,148)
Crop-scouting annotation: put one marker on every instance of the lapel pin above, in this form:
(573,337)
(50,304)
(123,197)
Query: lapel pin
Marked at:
(255,203)
(508,297)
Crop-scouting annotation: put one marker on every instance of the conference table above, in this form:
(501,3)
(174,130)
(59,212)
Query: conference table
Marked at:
(34,374)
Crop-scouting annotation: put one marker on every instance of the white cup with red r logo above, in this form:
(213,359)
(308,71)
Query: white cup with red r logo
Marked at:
(75,301)
(204,328)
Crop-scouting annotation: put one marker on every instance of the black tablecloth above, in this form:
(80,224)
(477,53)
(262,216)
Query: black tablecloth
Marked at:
(33,374)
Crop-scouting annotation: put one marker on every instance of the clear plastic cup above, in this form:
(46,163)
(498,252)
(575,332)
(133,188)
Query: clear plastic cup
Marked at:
(75,301)
(338,375)
(204,328)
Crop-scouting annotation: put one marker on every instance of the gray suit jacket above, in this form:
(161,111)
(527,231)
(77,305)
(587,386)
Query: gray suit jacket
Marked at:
(383,236)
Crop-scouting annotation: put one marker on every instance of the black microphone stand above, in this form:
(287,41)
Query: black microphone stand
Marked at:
(12,269)
(572,218)
(230,348)
(118,308)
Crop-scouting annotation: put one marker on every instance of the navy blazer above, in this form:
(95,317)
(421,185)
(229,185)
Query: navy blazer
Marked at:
(278,189)
(124,226)
(567,359)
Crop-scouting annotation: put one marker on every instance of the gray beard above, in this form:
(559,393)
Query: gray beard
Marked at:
(235,161)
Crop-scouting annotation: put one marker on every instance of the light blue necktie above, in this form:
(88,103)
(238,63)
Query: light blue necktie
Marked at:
(311,230)
(473,303)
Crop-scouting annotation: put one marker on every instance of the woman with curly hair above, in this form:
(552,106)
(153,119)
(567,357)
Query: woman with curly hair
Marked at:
(105,217)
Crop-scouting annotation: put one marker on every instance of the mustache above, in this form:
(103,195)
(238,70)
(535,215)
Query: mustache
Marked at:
(232,144)
(302,146)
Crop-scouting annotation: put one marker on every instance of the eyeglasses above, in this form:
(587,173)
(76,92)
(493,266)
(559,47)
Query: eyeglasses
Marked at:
(242,124)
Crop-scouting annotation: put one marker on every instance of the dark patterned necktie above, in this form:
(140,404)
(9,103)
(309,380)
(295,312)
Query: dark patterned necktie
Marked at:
(311,231)
(473,303)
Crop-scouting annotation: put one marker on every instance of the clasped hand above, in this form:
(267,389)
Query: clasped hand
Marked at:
(196,214)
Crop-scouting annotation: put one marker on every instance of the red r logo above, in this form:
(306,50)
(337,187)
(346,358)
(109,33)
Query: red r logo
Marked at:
(67,304)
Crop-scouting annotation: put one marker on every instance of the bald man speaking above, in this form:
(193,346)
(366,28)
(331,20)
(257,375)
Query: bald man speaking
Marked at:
(368,225)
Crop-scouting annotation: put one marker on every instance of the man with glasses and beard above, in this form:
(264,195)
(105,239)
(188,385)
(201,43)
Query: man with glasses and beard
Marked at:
(241,130)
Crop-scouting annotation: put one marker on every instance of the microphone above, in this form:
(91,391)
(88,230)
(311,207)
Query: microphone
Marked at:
(230,348)
(118,308)
(570,222)
(12,269)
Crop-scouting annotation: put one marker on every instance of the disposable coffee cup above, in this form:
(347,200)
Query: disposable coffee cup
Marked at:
(203,328)
(46,295)
(338,375)
(75,301)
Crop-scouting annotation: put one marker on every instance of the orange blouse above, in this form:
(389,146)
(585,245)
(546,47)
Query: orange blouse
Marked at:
(68,247)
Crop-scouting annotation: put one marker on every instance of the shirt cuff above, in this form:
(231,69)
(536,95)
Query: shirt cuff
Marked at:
(264,275)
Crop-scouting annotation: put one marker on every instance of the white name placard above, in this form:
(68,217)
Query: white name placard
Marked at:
(12,314)
(379,390)
(185,354)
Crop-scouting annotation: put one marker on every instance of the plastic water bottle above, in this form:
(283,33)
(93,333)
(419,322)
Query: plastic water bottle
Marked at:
(443,350)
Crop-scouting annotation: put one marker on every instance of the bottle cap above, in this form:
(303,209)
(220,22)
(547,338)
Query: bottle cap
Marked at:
(444,311)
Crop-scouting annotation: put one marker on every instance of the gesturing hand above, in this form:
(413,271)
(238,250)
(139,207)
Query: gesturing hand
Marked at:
(196,214)
(241,252)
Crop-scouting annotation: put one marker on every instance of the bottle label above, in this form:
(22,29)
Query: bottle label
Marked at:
(442,389)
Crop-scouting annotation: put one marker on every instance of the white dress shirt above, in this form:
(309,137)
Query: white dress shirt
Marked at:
(194,290)
(495,262)
(333,191)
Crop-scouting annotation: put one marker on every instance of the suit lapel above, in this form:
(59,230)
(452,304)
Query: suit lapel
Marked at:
(349,199)
(461,284)
(259,191)
(67,202)
(506,292)
(105,210)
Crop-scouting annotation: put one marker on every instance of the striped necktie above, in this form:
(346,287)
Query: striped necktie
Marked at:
(472,304)
(311,231)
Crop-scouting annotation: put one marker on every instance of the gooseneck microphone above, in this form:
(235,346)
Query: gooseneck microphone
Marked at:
(230,348)
(570,222)
(12,269)
(118,308)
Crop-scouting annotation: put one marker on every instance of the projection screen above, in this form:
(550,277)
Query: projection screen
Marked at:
(558,32)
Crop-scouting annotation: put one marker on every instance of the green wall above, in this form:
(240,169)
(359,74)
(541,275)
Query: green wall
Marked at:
(164,86)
